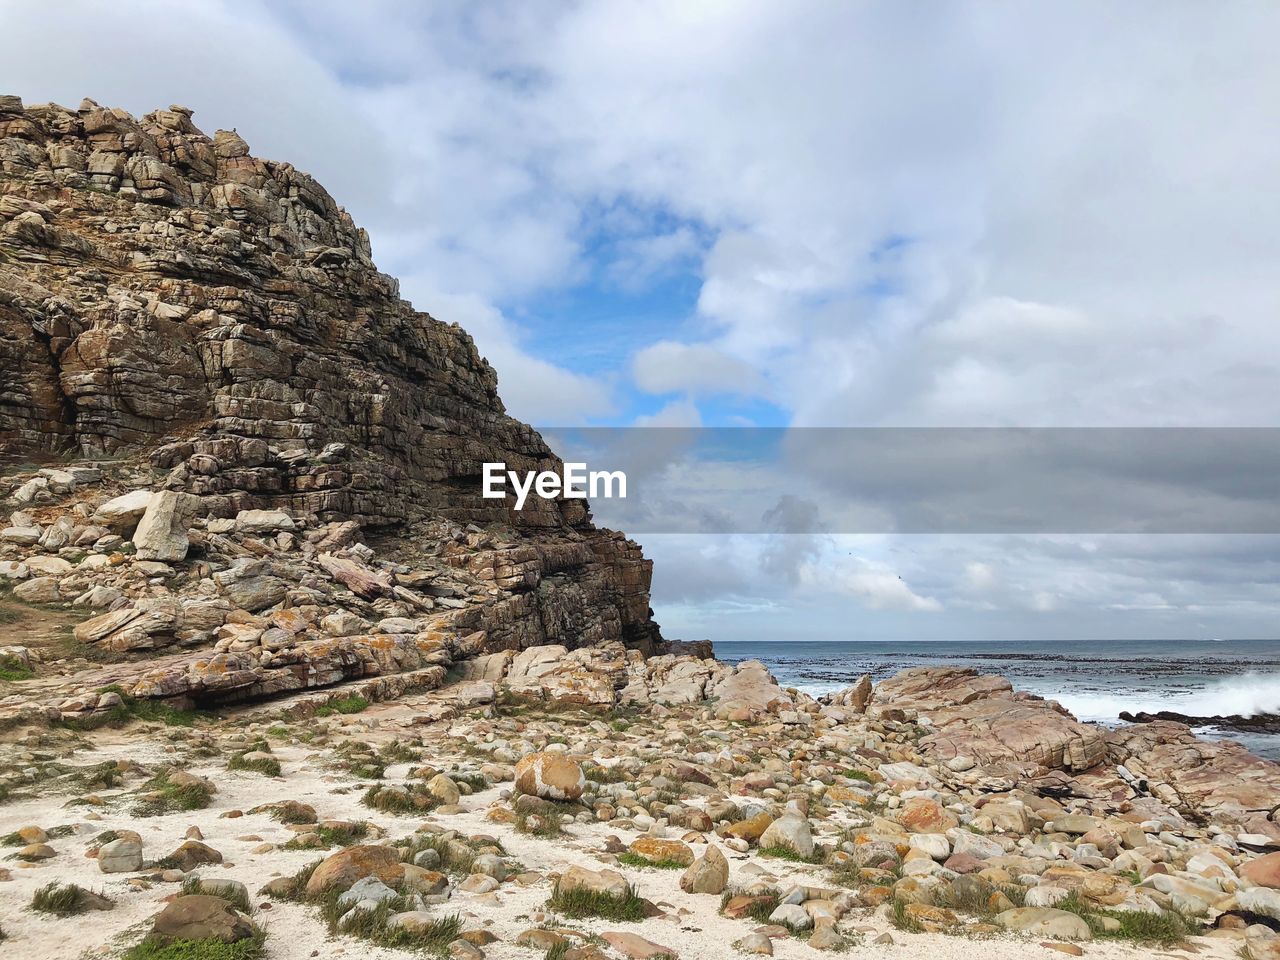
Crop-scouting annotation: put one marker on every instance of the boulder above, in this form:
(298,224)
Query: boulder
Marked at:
(123,513)
(1263,901)
(342,869)
(707,874)
(923,815)
(636,947)
(263,521)
(551,776)
(980,717)
(657,850)
(192,854)
(1262,872)
(596,881)
(123,855)
(790,832)
(1045,922)
(444,789)
(162,531)
(750,829)
(201,917)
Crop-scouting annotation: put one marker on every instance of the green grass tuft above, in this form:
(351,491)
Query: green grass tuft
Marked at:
(162,796)
(600,774)
(579,904)
(415,799)
(635,860)
(759,911)
(129,709)
(345,705)
(548,824)
(253,948)
(343,835)
(11,668)
(1164,929)
(237,898)
(786,853)
(62,900)
(267,766)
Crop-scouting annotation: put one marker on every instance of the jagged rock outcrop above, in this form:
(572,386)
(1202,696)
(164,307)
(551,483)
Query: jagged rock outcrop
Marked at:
(1198,775)
(215,325)
(982,718)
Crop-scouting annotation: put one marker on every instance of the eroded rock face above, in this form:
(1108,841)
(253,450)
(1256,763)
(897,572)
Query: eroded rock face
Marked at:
(156,286)
(1181,769)
(215,323)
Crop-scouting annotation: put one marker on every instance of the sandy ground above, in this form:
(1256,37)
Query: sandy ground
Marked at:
(693,928)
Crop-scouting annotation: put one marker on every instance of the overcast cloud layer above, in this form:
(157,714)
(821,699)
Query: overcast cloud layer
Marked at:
(835,214)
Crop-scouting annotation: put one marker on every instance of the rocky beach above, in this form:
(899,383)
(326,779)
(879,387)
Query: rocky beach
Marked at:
(276,682)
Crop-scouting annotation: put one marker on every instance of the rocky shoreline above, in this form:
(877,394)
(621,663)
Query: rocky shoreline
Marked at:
(598,804)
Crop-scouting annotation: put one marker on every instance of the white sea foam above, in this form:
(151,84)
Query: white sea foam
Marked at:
(1247,695)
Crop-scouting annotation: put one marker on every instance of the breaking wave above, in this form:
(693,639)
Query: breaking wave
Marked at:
(1248,695)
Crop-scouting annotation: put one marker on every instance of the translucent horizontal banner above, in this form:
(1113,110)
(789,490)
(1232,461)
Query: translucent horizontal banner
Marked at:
(925,480)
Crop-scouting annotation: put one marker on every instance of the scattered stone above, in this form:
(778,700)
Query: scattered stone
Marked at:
(201,917)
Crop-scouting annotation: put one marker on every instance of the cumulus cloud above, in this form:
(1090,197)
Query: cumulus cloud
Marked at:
(872,584)
(696,369)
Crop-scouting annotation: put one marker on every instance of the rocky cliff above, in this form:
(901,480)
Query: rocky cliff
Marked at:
(205,330)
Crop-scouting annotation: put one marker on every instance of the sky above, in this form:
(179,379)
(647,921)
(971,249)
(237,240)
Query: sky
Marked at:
(741,213)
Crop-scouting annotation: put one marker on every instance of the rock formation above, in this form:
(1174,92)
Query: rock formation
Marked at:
(199,344)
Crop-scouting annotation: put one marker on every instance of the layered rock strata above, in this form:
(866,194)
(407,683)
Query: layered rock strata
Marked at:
(249,423)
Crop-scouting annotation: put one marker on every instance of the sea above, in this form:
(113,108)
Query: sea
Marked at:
(1094,679)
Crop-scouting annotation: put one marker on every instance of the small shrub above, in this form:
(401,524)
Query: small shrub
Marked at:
(361,761)
(101,776)
(456,855)
(476,781)
(902,920)
(600,774)
(1164,929)
(290,813)
(296,888)
(760,909)
(397,752)
(371,925)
